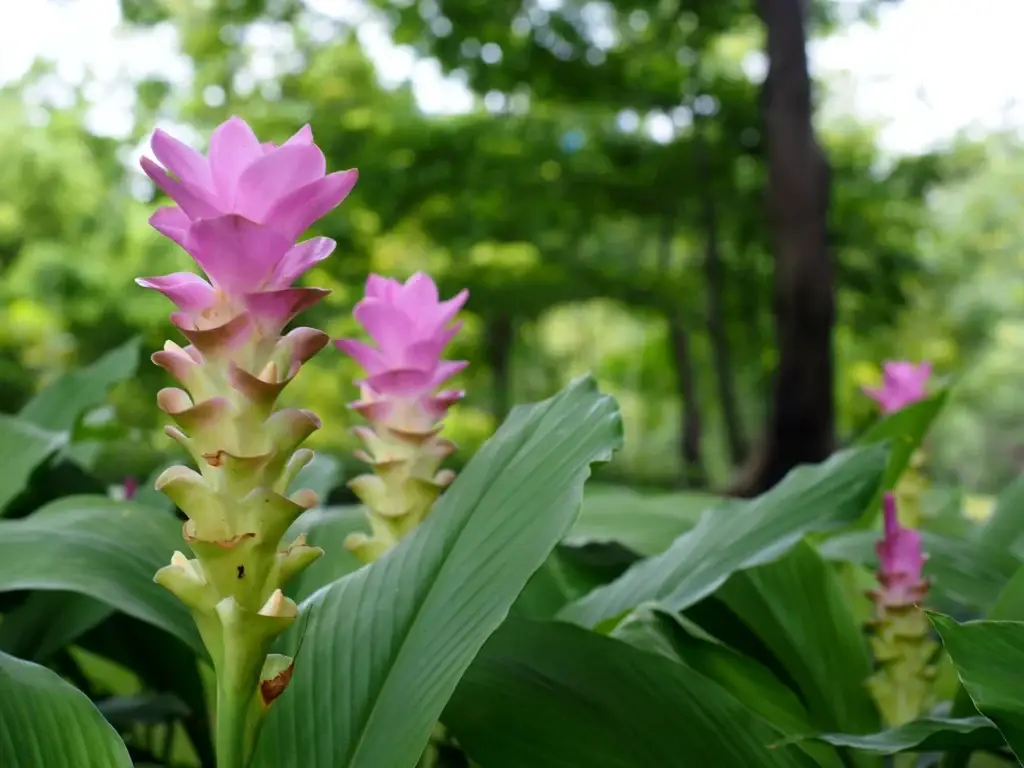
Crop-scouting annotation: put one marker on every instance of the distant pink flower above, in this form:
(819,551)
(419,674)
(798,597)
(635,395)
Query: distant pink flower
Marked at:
(131,487)
(286,188)
(410,327)
(903,384)
(900,561)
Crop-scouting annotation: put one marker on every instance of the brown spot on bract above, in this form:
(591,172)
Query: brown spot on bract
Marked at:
(214,459)
(274,687)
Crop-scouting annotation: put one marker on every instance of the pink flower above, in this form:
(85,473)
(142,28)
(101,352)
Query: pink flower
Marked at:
(410,327)
(131,487)
(251,269)
(900,561)
(286,188)
(903,384)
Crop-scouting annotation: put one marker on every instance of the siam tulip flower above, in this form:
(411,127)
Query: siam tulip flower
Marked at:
(239,215)
(903,384)
(130,488)
(403,399)
(900,633)
(284,187)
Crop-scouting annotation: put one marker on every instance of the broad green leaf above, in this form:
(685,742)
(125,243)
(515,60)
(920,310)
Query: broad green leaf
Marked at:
(321,475)
(45,721)
(107,550)
(963,571)
(741,535)
(904,431)
(929,734)
(795,605)
(385,646)
(326,528)
(23,447)
(552,695)
(59,406)
(989,658)
(1005,527)
(645,524)
(750,682)
(48,621)
(564,577)
(1009,606)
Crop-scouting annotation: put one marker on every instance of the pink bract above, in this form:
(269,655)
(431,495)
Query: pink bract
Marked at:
(286,188)
(900,559)
(903,384)
(410,327)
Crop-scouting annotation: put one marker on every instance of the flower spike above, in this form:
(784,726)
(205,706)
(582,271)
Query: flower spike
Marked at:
(403,399)
(239,212)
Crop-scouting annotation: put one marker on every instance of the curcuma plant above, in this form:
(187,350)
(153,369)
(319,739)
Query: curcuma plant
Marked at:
(238,214)
(493,618)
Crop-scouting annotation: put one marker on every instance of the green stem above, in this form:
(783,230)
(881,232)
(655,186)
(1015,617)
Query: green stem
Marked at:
(238,680)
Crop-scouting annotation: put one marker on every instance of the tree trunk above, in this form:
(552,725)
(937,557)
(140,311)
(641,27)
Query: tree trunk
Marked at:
(801,420)
(692,460)
(714,277)
(499,337)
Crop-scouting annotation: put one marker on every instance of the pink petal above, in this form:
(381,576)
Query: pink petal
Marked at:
(187,290)
(387,325)
(299,260)
(447,310)
(368,358)
(446,370)
(400,382)
(233,147)
(294,213)
(302,136)
(237,255)
(195,202)
(419,294)
(276,175)
(180,159)
(171,222)
(385,288)
(273,309)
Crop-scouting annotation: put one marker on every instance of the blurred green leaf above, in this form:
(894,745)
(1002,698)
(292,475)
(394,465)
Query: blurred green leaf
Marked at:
(100,548)
(989,658)
(796,606)
(59,406)
(646,524)
(929,734)
(45,721)
(740,536)
(550,695)
(23,447)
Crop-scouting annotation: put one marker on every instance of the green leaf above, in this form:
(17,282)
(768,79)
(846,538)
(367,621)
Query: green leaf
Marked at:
(551,695)
(750,682)
(321,476)
(47,622)
(1009,606)
(963,571)
(646,524)
(929,734)
(326,528)
(23,447)
(989,659)
(45,721)
(59,406)
(105,549)
(904,430)
(1004,528)
(386,645)
(740,536)
(797,609)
